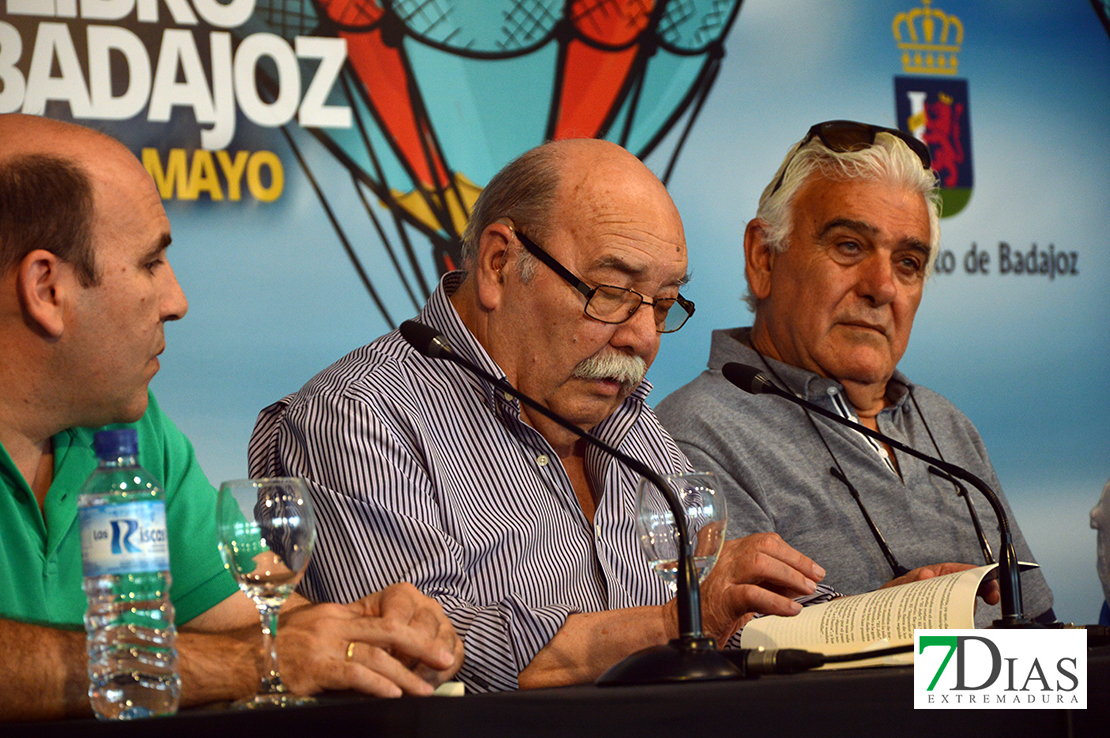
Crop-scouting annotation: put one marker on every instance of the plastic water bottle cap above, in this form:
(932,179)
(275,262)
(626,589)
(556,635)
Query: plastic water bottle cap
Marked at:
(112,444)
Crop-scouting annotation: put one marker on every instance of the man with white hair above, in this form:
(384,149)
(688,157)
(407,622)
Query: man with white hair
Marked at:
(836,260)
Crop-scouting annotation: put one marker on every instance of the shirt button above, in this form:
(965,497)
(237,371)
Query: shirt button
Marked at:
(542,459)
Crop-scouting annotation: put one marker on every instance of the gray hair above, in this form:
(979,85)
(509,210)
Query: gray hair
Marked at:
(888,160)
(524,192)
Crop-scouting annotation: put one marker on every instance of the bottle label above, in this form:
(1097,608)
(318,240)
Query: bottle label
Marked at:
(127,538)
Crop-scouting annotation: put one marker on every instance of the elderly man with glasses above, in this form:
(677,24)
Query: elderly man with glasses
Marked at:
(574,257)
(836,260)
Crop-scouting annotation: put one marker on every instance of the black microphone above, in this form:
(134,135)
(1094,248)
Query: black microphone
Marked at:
(426,340)
(750,379)
(756,661)
(692,656)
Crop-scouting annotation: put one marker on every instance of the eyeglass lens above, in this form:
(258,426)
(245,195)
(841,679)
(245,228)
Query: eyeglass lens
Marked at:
(617,304)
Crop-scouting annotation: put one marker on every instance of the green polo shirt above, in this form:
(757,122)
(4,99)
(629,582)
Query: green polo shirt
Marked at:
(40,551)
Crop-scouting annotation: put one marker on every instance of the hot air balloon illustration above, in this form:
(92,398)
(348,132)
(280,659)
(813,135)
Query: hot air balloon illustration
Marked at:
(445,92)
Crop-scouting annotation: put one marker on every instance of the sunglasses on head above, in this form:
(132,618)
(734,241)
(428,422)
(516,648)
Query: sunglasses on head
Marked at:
(848,135)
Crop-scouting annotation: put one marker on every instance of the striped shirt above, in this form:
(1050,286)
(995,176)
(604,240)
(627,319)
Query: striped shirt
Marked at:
(421,472)
(842,407)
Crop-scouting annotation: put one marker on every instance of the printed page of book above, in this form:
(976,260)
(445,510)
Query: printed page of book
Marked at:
(879,619)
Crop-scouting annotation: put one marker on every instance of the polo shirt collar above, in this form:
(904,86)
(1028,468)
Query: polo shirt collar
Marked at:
(735,345)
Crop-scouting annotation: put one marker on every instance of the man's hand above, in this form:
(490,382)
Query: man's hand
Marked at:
(427,641)
(402,644)
(988,590)
(757,574)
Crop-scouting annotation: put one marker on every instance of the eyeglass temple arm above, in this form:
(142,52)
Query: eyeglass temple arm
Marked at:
(533,248)
(962,492)
(895,567)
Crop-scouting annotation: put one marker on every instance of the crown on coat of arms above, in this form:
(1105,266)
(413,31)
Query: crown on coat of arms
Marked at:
(929,39)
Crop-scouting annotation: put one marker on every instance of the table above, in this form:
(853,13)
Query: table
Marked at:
(846,703)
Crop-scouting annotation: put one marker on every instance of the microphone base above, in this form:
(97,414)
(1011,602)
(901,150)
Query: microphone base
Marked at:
(681,660)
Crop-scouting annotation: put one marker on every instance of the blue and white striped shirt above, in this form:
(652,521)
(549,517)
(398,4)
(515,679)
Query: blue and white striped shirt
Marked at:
(423,473)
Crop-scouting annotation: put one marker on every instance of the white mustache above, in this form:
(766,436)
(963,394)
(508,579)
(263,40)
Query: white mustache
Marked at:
(628,370)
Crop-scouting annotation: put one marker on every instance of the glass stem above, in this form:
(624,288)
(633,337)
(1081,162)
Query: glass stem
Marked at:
(271,677)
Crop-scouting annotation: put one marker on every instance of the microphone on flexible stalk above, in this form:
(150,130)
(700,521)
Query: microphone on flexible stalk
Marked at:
(690,657)
(752,380)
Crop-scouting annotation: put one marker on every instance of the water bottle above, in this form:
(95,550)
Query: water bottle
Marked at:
(130,625)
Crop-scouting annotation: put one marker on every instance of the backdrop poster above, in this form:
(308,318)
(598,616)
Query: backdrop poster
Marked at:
(317,159)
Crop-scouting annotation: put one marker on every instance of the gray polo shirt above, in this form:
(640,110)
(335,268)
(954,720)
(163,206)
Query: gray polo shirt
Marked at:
(775,472)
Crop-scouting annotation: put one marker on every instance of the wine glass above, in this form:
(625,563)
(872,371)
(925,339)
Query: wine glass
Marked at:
(705,524)
(267,530)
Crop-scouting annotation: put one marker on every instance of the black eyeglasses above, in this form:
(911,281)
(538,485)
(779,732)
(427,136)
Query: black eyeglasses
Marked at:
(848,135)
(614,305)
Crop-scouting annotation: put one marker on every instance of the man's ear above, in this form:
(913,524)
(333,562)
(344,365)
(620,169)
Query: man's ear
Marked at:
(494,249)
(759,259)
(44,283)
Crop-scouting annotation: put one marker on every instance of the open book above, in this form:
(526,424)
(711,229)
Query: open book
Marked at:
(873,620)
